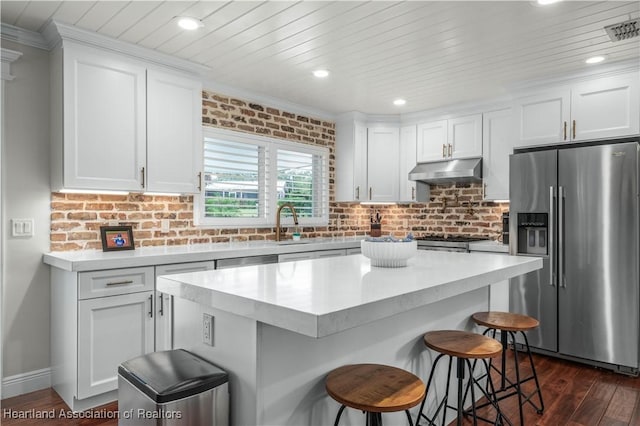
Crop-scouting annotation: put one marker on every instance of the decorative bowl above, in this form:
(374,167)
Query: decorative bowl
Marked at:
(389,254)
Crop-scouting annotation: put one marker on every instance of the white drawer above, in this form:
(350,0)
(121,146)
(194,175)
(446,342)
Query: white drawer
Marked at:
(182,268)
(112,282)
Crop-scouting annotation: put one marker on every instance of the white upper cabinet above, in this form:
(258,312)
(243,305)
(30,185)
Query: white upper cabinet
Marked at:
(351,160)
(408,141)
(432,144)
(125,127)
(497,145)
(465,136)
(604,108)
(383,151)
(543,118)
(104,121)
(174,133)
(601,108)
(459,137)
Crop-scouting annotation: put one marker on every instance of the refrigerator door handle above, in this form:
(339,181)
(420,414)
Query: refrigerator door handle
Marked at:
(552,255)
(562,283)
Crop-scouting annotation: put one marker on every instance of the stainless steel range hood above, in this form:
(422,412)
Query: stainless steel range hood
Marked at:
(440,172)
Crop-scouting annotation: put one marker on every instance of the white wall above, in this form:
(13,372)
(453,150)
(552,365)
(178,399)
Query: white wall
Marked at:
(26,194)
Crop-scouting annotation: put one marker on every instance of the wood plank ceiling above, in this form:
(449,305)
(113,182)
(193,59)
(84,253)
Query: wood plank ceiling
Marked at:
(428,52)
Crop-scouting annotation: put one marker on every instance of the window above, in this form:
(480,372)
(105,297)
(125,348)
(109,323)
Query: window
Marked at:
(246,178)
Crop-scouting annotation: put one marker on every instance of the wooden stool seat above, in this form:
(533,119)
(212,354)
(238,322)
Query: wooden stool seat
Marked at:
(462,344)
(505,321)
(375,388)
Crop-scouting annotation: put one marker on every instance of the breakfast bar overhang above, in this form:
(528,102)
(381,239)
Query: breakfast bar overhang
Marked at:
(278,329)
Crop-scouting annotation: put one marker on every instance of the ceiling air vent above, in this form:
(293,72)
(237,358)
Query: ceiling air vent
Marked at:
(624,30)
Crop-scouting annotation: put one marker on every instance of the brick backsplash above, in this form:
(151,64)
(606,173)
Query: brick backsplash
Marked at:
(76,218)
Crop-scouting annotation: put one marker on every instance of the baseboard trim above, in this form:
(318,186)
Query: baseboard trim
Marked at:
(26,382)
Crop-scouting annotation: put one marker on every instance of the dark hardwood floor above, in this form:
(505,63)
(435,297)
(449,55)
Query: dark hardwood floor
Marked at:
(574,394)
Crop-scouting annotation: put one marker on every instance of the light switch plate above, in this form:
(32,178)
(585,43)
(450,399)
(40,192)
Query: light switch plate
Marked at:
(207,329)
(22,227)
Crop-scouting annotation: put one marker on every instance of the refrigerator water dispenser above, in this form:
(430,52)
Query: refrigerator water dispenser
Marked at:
(532,233)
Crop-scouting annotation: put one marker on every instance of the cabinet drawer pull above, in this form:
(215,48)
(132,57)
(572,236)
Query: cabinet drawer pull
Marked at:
(444,150)
(564,131)
(574,129)
(370,193)
(142,173)
(151,306)
(450,150)
(200,181)
(413,192)
(358,192)
(114,283)
(161,310)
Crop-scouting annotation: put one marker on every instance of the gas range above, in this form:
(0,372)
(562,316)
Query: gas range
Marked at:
(448,243)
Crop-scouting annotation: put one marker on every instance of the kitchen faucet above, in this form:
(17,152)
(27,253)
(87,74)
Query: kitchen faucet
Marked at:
(293,212)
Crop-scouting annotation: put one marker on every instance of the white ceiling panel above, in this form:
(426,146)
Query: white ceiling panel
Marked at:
(36,14)
(11,10)
(128,17)
(72,12)
(161,16)
(433,53)
(99,14)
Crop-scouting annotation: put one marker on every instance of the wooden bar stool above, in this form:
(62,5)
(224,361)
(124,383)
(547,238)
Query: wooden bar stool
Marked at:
(374,389)
(463,346)
(509,324)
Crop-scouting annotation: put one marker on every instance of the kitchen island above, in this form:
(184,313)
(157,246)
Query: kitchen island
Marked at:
(278,329)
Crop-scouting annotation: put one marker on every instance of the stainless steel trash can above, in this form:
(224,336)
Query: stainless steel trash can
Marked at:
(172,388)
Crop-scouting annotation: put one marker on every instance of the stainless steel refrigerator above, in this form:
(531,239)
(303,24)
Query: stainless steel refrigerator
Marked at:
(576,206)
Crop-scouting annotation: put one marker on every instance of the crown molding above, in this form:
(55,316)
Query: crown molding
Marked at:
(56,32)
(8,56)
(588,73)
(22,36)
(352,116)
(270,101)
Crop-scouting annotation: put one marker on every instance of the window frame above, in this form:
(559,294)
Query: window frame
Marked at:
(271,146)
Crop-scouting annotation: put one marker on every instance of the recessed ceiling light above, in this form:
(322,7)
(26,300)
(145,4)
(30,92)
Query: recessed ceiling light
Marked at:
(321,73)
(546,2)
(189,23)
(399,102)
(595,59)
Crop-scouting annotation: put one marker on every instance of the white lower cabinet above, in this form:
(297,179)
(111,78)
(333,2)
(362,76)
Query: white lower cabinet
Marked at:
(163,307)
(102,318)
(111,330)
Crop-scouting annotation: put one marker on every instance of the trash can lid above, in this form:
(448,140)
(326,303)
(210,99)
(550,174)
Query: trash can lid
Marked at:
(170,375)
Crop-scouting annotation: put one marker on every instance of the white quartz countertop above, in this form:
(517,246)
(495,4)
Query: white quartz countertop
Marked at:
(90,260)
(324,296)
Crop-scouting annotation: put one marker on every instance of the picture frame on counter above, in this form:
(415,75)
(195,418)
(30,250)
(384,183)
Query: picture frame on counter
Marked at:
(116,238)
